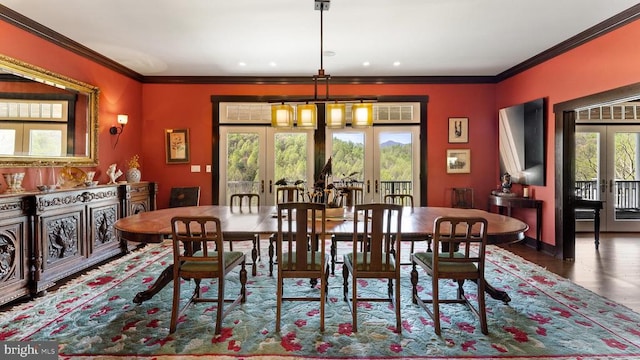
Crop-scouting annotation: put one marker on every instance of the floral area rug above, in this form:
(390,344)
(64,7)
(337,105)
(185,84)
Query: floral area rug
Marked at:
(549,317)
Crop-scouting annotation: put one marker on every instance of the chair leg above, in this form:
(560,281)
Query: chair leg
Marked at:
(414,282)
(220,310)
(345,282)
(271,253)
(278,302)
(482,307)
(326,281)
(334,254)
(175,307)
(243,282)
(396,302)
(436,305)
(254,255)
(196,291)
(323,295)
(460,290)
(354,304)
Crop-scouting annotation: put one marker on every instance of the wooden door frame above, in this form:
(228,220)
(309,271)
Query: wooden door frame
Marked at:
(320,135)
(565,130)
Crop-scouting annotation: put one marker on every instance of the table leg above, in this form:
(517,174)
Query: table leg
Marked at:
(596,227)
(165,278)
(496,294)
(254,254)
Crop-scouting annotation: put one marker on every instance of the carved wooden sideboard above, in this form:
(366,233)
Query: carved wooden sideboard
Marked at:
(45,237)
(15,235)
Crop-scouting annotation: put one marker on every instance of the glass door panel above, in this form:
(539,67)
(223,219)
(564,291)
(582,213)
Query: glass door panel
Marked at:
(241,161)
(397,163)
(253,159)
(590,174)
(607,158)
(381,159)
(623,194)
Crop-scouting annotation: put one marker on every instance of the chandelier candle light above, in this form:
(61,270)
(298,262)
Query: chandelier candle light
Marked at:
(282,114)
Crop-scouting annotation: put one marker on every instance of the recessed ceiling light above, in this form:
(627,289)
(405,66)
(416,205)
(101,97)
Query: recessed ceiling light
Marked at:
(329,53)
(242,63)
(396,63)
(366,63)
(272,64)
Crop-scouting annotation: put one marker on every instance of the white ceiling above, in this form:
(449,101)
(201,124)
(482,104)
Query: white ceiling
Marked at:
(282,37)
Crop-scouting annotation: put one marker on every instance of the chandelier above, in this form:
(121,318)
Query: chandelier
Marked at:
(306,111)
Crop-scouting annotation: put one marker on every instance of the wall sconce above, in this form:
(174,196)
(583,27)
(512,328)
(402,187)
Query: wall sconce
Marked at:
(122,120)
(114,130)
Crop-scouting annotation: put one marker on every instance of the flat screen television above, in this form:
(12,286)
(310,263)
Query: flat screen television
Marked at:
(522,141)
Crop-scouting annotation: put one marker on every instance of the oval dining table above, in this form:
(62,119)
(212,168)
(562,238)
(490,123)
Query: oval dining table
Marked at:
(155,227)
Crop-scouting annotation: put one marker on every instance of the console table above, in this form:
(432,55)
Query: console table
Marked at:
(596,206)
(509,202)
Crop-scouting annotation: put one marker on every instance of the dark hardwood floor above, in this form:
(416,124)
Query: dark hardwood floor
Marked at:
(613,271)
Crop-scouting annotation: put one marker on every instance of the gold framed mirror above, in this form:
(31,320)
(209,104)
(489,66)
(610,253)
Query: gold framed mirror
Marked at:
(45,117)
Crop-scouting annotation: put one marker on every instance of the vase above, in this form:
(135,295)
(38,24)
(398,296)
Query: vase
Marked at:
(133,175)
(14,182)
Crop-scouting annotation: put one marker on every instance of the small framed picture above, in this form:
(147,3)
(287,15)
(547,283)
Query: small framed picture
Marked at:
(177,145)
(458,161)
(458,130)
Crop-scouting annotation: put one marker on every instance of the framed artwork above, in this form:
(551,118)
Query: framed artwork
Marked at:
(176,144)
(458,161)
(458,130)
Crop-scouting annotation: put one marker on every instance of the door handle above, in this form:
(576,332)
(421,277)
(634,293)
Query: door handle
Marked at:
(610,185)
(377,186)
(262,186)
(603,186)
(270,186)
(368,186)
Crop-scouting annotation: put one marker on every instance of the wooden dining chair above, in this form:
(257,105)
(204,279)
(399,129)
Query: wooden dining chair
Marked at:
(375,225)
(246,203)
(300,248)
(286,193)
(406,200)
(198,253)
(457,261)
(462,198)
(353,195)
(184,196)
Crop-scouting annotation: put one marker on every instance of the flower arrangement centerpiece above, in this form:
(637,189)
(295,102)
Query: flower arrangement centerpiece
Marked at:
(133,174)
(327,192)
(134,162)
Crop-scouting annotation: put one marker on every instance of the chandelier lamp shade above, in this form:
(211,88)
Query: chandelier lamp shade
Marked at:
(282,116)
(335,115)
(361,115)
(307,115)
(306,110)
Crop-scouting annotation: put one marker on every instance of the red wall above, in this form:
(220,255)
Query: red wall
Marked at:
(608,62)
(118,95)
(189,106)
(605,63)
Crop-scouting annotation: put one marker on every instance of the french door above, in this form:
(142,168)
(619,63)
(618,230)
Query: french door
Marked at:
(607,160)
(254,158)
(384,159)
